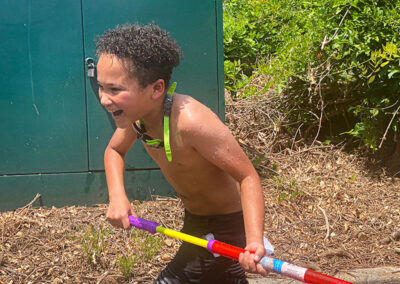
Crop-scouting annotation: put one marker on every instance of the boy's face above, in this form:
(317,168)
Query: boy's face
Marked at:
(120,94)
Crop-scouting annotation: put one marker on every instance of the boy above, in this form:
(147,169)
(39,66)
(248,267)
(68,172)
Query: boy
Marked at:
(195,151)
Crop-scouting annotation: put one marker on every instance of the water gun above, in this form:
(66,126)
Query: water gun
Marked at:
(270,264)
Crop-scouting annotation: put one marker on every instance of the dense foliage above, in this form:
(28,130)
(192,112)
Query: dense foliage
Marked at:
(333,62)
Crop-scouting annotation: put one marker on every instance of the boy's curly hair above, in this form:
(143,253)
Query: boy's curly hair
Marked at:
(147,52)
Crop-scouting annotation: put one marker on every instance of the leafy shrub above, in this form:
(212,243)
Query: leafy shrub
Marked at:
(328,59)
(274,38)
(362,56)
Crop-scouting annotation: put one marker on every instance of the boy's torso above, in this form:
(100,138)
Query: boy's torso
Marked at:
(204,188)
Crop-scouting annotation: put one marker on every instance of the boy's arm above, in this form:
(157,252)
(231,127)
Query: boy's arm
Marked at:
(253,212)
(114,162)
(213,140)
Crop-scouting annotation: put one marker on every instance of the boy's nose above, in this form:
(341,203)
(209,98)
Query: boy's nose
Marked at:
(104,100)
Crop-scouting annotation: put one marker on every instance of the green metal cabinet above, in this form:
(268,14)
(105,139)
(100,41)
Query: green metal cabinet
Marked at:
(53,129)
(42,94)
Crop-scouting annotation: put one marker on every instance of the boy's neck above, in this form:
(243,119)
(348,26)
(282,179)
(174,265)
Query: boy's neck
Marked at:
(154,120)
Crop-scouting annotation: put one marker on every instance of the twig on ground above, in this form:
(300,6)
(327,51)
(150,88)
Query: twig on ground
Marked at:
(20,210)
(300,152)
(102,277)
(326,222)
(336,252)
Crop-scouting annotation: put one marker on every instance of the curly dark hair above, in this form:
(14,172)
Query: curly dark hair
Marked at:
(147,52)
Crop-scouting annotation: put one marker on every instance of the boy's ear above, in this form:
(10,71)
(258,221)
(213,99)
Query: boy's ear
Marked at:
(158,89)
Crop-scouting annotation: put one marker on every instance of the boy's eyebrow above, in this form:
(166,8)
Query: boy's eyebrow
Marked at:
(109,84)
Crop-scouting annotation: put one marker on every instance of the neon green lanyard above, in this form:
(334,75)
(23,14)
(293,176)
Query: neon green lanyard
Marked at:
(158,143)
(167,113)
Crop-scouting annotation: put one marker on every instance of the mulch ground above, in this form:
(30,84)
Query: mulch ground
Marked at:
(326,209)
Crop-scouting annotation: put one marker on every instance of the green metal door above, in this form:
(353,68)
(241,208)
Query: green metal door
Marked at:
(53,130)
(192,23)
(42,98)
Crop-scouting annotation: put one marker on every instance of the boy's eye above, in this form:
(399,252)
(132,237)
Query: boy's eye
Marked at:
(115,90)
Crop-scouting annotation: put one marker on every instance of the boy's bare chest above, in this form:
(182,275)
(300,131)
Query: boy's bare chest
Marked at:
(197,181)
(182,157)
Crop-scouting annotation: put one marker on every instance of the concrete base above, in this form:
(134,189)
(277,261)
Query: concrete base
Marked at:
(380,275)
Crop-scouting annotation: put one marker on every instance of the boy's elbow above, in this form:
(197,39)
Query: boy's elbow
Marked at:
(111,151)
(251,177)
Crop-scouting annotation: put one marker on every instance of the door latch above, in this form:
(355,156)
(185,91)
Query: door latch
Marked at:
(91,67)
(92,74)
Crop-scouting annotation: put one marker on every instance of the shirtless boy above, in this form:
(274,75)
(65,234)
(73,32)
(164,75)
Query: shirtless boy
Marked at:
(218,185)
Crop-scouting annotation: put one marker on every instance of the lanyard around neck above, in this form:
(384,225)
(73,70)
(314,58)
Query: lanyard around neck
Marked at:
(158,143)
(167,114)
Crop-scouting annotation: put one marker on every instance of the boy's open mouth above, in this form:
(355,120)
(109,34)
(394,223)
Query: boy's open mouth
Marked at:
(117,113)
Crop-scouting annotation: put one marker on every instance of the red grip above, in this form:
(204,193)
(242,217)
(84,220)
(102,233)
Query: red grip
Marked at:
(226,250)
(313,277)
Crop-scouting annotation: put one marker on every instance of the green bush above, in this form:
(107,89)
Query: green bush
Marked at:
(324,57)
(273,38)
(364,60)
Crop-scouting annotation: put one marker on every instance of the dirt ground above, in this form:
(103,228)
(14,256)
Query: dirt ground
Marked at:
(326,209)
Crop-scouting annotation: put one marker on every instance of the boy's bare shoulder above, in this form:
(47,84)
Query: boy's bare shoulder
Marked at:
(192,114)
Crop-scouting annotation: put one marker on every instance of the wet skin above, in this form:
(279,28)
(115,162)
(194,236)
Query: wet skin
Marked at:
(209,171)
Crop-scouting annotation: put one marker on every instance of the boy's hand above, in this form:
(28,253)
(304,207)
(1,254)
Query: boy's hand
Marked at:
(249,261)
(118,212)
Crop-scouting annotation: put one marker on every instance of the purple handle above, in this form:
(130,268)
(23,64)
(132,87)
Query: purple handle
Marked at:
(143,224)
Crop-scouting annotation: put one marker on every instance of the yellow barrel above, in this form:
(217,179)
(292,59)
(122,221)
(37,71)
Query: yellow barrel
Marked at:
(182,236)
